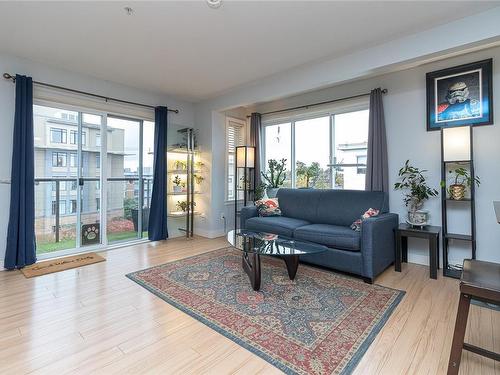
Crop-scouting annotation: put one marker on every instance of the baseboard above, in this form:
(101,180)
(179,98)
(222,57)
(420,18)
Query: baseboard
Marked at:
(210,233)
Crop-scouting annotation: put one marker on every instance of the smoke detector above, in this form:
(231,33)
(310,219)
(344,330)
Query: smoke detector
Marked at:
(214,3)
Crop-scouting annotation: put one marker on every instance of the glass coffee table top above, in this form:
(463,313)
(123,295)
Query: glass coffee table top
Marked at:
(270,244)
(254,244)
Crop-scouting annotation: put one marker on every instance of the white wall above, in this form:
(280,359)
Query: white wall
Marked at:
(405,112)
(44,73)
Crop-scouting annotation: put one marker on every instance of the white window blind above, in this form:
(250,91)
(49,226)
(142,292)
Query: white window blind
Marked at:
(235,136)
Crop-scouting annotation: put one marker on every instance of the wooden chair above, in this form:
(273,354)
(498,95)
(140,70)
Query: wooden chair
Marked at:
(480,282)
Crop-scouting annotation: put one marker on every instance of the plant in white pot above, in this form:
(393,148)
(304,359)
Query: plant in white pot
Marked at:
(275,176)
(177,184)
(461,181)
(413,181)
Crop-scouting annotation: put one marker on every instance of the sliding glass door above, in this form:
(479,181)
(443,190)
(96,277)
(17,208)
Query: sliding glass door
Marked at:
(91,184)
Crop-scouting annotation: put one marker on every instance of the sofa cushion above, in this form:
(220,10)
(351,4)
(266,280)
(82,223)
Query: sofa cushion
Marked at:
(334,236)
(275,224)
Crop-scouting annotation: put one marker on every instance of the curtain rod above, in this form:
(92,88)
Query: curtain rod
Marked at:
(106,98)
(384,91)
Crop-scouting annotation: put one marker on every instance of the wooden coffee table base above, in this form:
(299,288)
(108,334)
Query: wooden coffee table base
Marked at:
(251,265)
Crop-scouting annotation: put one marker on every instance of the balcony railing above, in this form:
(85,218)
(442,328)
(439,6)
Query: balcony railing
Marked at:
(144,194)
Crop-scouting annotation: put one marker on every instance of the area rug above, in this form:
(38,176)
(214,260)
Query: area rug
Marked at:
(61,264)
(320,323)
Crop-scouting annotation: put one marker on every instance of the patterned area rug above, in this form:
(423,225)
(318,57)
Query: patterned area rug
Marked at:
(320,323)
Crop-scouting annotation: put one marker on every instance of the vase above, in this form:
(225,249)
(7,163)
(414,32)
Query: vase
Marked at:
(177,189)
(457,192)
(418,218)
(272,192)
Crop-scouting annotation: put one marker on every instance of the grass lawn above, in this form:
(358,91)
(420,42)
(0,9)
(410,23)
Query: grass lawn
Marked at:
(48,247)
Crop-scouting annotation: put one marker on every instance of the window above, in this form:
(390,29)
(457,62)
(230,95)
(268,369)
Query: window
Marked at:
(98,161)
(73,206)
(312,153)
(62,186)
(59,159)
(97,204)
(350,141)
(73,159)
(58,135)
(98,140)
(68,116)
(361,161)
(73,185)
(323,150)
(277,139)
(73,137)
(235,136)
(62,207)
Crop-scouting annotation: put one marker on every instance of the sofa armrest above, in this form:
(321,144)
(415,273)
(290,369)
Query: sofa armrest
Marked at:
(247,212)
(378,243)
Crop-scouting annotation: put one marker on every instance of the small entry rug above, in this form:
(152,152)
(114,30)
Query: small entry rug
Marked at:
(61,264)
(320,323)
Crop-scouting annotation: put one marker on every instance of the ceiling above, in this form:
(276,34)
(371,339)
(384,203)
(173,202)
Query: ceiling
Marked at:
(188,50)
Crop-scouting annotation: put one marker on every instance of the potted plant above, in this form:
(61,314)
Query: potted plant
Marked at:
(275,176)
(461,181)
(180,165)
(183,205)
(198,179)
(177,184)
(413,181)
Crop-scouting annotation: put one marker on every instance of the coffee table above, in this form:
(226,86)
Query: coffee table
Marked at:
(254,244)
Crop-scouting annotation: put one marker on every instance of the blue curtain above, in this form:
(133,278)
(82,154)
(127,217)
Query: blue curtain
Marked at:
(21,248)
(158,212)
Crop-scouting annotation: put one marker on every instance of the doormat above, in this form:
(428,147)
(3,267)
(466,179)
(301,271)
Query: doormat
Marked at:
(61,264)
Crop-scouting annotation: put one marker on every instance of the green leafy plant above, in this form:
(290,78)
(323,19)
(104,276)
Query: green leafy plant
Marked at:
(413,181)
(259,191)
(129,204)
(307,174)
(183,205)
(177,180)
(275,175)
(462,177)
(198,179)
(180,165)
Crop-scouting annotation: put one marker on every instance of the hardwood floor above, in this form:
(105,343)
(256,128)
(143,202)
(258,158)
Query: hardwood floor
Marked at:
(95,320)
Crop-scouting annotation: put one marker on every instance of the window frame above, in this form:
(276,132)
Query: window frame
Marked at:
(56,155)
(309,114)
(242,124)
(63,134)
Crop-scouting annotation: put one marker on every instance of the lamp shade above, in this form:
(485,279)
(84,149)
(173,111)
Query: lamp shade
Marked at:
(456,143)
(245,156)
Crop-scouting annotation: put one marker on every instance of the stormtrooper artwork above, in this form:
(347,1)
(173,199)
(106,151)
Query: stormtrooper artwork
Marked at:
(460,96)
(458,105)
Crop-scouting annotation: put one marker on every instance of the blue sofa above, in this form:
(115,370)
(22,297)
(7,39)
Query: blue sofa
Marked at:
(324,217)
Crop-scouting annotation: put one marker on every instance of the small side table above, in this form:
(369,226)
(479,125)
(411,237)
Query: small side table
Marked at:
(428,232)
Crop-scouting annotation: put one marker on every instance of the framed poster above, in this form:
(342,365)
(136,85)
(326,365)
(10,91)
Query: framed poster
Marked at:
(462,95)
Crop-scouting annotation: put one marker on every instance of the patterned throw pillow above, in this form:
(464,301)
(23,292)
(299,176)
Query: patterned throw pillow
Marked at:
(268,207)
(370,213)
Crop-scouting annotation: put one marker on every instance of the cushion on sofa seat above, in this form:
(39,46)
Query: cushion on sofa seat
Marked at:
(280,225)
(334,236)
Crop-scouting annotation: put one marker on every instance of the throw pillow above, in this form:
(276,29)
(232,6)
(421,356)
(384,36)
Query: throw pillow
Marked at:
(369,213)
(268,207)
